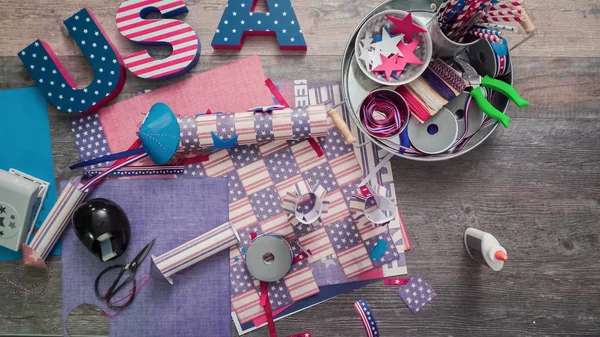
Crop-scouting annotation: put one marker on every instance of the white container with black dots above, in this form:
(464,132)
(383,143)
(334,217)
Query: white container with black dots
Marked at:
(485,249)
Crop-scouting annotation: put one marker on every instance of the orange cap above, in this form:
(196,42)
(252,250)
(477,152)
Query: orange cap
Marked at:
(500,255)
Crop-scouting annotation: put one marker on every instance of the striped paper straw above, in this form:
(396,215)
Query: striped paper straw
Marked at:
(55,223)
(489,31)
(506,5)
(193,251)
(488,37)
(502,19)
(498,26)
(515,12)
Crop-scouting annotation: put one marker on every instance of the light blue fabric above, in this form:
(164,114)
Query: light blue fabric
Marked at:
(25,146)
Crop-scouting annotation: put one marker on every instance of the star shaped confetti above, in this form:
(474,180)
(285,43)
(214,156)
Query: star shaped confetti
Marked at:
(405,26)
(408,51)
(416,293)
(388,44)
(12,225)
(389,65)
(222,144)
(2,210)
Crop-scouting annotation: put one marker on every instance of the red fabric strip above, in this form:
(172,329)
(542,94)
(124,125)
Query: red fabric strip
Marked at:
(395,281)
(264,302)
(193,160)
(313,143)
(276,93)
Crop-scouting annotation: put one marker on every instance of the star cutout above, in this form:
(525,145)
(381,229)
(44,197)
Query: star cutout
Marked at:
(388,44)
(12,225)
(388,65)
(12,217)
(221,144)
(2,210)
(408,51)
(379,250)
(405,26)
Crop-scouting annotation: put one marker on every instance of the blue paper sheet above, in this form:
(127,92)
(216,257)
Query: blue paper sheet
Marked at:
(25,139)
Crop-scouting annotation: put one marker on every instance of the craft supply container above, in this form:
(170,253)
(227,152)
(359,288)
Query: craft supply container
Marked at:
(444,47)
(373,26)
(356,85)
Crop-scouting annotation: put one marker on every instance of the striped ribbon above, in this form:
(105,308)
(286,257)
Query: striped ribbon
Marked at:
(384,113)
(366,317)
(193,251)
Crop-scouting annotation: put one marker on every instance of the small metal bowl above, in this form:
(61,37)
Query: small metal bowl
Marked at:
(373,26)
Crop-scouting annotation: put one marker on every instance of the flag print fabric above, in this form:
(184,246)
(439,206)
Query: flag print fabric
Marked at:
(260,175)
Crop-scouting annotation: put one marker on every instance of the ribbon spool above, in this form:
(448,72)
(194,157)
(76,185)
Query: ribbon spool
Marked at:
(373,204)
(490,58)
(306,204)
(435,135)
(469,114)
(384,113)
(269,257)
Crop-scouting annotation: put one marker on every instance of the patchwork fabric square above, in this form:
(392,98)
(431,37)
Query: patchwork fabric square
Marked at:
(334,145)
(321,174)
(244,155)
(279,296)
(382,249)
(241,281)
(416,293)
(281,165)
(343,234)
(265,203)
(236,190)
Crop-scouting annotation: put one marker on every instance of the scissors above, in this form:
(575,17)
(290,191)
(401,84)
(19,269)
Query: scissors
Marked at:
(475,81)
(114,289)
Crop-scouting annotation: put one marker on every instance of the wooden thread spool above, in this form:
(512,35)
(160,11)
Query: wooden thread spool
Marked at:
(337,119)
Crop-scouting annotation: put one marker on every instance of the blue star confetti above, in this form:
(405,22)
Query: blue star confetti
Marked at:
(58,88)
(239,20)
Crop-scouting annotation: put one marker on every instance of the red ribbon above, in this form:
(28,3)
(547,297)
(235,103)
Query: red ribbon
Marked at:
(264,302)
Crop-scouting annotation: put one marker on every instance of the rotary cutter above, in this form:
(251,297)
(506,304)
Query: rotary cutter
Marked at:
(476,81)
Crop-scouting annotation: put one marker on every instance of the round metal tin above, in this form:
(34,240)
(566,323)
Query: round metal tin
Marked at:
(268,257)
(356,86)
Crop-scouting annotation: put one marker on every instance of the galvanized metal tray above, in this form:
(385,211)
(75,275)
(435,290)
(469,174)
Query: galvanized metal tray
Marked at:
(356,85)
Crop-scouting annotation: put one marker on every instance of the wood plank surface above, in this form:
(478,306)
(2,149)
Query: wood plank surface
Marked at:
(536,186)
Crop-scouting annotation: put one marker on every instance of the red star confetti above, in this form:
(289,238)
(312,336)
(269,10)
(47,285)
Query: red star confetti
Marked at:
(405,26)
(408,51)
(388,65)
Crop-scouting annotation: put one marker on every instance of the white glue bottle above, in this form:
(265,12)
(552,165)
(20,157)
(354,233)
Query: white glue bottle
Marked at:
(485,249)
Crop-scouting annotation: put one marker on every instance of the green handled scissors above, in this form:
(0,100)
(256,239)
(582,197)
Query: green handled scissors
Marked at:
(475,81)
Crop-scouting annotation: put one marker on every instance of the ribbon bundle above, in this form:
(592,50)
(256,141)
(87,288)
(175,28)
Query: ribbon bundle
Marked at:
(384,113)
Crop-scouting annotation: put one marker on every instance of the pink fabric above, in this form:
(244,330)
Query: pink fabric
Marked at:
(233,87)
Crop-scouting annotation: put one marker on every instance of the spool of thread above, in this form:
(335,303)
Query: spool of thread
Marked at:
(269,257)
(384,113)
(490,58)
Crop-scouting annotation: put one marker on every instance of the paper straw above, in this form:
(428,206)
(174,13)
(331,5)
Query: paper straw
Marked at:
(488,37)
(506,5)
(498,26)
(55,223)
(193,251)
(489,31)
(516,12)
(502,19)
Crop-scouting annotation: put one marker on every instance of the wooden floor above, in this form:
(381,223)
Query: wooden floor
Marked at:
(535,186)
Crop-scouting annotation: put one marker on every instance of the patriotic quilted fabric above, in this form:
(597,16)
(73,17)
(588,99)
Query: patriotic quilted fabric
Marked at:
(259,175)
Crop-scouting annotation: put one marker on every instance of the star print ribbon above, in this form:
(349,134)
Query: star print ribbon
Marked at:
(365,315)
(372,204)
(395,281)
(306,205)
(302,334)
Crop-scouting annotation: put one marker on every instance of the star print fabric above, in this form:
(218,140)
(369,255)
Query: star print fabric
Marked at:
(416,293)
(240,19)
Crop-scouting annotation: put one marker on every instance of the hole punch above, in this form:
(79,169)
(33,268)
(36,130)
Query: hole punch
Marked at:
(432,129)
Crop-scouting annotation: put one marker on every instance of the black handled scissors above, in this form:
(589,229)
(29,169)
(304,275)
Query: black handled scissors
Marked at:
(131,267)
